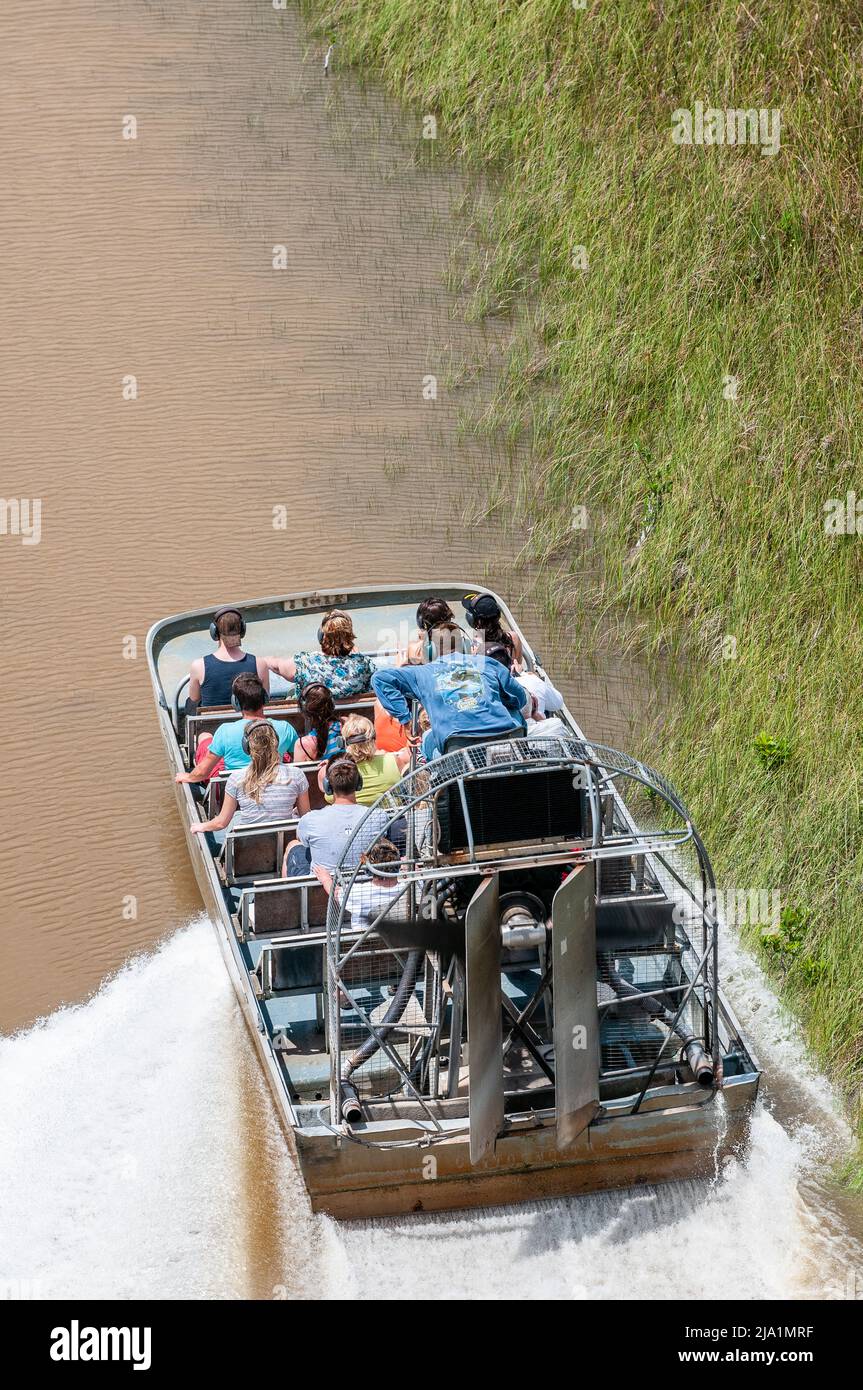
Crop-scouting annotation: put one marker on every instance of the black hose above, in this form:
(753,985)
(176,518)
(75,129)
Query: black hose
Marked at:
(699,1062)
(391,1018)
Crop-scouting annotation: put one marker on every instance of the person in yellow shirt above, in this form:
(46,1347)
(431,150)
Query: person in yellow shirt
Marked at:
(379,771)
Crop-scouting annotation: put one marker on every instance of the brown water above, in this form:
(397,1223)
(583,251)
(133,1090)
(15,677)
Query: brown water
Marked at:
(257,388)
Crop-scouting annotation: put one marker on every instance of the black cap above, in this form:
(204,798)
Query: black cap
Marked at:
(481,606)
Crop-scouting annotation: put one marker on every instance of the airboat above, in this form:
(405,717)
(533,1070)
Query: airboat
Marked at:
(528,1004)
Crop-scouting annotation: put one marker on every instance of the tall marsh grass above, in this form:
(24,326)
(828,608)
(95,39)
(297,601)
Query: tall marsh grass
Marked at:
(696,388)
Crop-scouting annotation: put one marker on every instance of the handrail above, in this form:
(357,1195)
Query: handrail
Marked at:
(520,756)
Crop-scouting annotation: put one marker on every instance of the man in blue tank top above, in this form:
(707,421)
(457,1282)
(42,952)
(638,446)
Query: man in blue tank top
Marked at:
(211,677)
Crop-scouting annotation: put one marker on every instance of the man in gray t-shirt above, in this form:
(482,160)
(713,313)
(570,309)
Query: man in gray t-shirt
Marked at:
(326,832)
(322,835)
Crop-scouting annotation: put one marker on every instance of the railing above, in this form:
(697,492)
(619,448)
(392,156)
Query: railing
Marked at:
(403,1051)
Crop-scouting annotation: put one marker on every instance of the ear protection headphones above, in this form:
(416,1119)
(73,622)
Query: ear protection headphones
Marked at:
(220,613)
(254,724)
(303,696)
(325,619)
(467,604)
(430,651)
(341,757)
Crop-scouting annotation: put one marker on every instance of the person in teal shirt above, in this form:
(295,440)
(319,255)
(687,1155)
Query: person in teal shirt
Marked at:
(227,742)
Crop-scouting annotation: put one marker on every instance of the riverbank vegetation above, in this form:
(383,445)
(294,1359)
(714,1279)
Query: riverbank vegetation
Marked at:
(687,376)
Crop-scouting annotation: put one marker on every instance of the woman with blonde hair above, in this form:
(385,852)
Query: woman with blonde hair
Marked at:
(337,666)
(266,789)
(379,771)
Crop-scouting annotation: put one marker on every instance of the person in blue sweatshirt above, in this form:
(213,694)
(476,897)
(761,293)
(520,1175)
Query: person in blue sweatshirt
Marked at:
(468,698)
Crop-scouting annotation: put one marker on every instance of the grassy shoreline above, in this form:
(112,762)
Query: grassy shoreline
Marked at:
(688,380)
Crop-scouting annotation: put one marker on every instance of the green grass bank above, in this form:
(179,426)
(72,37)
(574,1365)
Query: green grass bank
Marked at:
(687,375)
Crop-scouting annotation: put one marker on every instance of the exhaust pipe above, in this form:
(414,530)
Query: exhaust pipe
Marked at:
(352,1111)
(699,1062)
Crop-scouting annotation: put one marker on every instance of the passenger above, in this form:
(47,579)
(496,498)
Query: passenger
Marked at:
(379,771)
(367,897)
(266,789)
(547,699)
(248,694)
(322,835)
(337,666)
(211,677)
(431,612)
(483,615)
(468,698)
(323,735)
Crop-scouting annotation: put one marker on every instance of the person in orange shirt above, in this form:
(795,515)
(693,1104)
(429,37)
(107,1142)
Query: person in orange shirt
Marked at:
(390,735)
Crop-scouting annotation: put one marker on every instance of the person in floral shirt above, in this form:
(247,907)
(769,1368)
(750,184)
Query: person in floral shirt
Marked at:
(337,666)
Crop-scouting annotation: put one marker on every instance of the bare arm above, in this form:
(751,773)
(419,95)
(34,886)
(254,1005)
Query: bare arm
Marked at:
(201,771)
(263,672)
(196,678)
(324,877)
(221,821)
(302,807)
(282,665)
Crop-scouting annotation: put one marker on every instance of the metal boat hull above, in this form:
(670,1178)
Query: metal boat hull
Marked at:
(349,1181)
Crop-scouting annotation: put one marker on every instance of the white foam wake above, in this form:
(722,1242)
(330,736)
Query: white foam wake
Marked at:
(749,1236)
(121,1136)
(139,1157)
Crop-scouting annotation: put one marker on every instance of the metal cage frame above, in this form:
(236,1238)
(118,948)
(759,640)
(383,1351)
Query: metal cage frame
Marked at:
(611,837)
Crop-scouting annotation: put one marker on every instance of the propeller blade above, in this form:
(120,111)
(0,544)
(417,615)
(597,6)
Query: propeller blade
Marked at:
(576,1017)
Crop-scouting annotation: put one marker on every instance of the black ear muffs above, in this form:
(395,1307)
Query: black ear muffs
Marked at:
(326,618)
(489,612)
(255,724)
(340,757)
(467,604)
(220,613)
(303,696)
